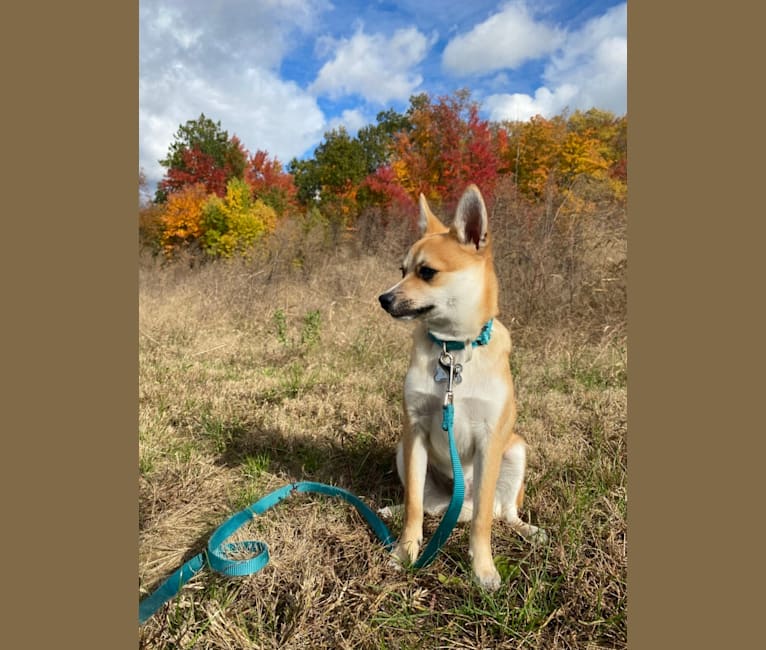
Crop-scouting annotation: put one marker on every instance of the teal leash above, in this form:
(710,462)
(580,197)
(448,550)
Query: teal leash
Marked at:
(458,491)
(218,552)
(448,420)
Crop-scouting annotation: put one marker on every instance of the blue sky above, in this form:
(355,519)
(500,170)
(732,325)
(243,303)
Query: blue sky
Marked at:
(279,73)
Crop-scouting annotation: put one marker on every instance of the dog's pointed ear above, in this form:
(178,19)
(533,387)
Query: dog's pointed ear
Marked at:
(471,222)
(428,222)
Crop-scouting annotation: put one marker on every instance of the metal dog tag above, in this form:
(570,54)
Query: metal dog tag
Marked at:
(441,373)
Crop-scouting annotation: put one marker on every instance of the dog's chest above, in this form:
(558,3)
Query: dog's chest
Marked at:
(479,399)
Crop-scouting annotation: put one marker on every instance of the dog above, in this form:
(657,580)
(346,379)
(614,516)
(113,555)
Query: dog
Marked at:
(450,288)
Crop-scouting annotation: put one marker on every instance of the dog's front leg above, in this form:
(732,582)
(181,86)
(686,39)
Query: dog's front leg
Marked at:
(415,467)
(487,460)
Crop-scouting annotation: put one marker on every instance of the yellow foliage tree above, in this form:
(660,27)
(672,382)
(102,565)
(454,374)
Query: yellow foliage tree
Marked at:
(548,157)
(580,155)
(233,224)
(533,150)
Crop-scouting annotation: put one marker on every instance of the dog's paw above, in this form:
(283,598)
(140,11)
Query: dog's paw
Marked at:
(532,534)
(395,563)
(405,553)
(487,577)
(537,536)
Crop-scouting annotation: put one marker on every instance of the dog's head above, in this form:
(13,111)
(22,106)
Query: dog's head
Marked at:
(448,279)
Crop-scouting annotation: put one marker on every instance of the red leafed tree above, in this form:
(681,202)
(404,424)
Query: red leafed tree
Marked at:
(202,152)
(270,183)
(448,146)
(620,170)
(480,162)
(382,188)
(198,167)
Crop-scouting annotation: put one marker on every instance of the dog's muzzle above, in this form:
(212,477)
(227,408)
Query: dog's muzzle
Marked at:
(387,301)
(403,309)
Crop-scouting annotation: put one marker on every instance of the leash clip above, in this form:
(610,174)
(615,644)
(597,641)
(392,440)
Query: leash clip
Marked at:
(447,360)
(446,368)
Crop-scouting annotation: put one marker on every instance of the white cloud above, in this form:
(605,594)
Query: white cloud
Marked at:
(518,106)
(222,60)
(225,33)
(595,59)
(505,40)
(351,119)
(589,70)
(265,113)
(379,69)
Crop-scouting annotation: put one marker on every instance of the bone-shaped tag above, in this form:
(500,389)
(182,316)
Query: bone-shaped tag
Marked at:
(441,373)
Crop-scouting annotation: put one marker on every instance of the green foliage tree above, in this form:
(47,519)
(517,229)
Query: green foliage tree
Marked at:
(201,150)
(331,177)
(377,139)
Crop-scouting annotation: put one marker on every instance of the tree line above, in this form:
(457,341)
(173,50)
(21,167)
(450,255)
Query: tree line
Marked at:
(219,197)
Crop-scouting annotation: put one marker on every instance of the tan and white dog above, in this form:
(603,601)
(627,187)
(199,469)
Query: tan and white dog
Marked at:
(450,287)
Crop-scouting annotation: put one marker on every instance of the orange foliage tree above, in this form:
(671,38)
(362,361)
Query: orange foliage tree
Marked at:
(181,217)
(532,151)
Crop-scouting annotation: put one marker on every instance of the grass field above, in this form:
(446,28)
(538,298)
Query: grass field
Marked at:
(251,379)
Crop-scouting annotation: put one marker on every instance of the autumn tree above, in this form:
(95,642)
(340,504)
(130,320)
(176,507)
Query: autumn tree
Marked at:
(447,147)
(232,224)
(382,188)
(149,216)
(544,154)
(181,217)
(532,153)
(330,179)
(270,183)
(607,135)
(202,152)
(377,140)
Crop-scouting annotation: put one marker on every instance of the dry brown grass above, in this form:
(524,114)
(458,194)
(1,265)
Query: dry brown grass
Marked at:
(253,375)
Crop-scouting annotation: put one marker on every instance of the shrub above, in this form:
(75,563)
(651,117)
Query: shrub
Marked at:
(233,224)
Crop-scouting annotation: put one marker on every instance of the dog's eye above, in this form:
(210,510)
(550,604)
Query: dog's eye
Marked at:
(426,273)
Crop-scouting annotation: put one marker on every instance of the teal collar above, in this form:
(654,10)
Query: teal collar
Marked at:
(482,339)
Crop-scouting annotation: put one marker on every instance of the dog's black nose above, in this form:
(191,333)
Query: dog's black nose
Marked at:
(386,300)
